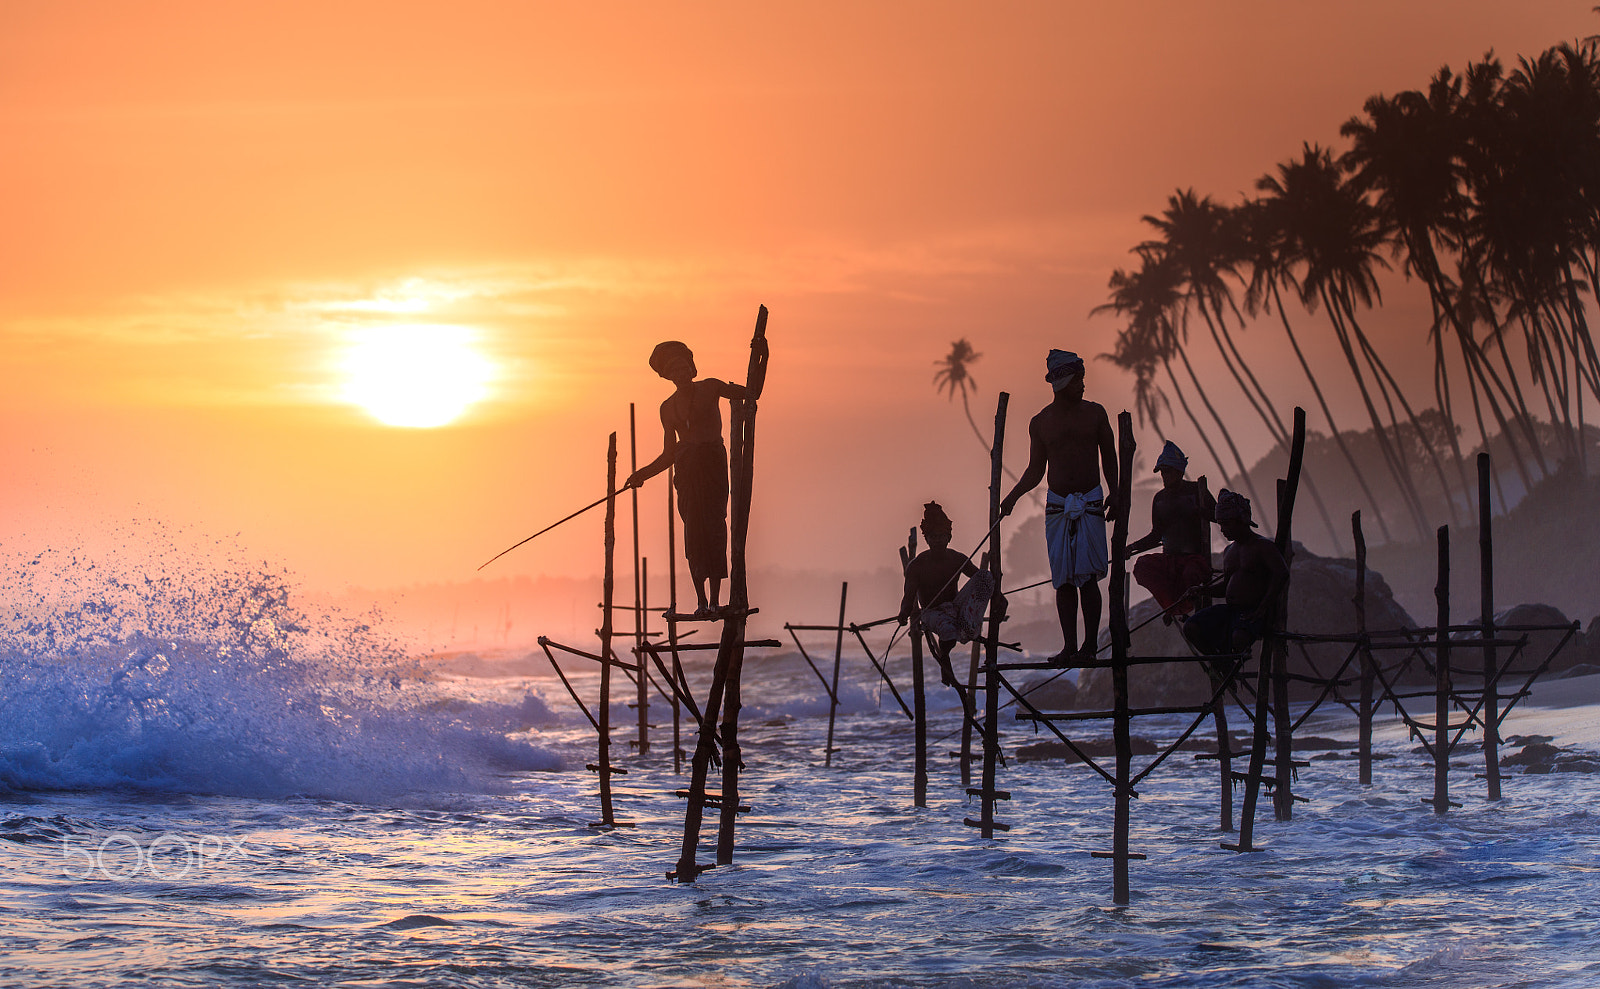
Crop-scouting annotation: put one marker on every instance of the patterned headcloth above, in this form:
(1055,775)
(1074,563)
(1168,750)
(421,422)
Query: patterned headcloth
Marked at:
(1171,456)
(666,351)
(1233,507)
(1062,368)
(934,519)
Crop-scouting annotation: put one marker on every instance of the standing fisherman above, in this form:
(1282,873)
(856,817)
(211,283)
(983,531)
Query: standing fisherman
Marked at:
(1178,516)
(691,423)
(1066,438)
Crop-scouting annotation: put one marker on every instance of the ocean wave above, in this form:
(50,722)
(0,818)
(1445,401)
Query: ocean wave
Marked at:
(152,674)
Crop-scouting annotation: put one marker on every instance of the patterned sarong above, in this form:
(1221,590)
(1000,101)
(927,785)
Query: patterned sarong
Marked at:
(1075,536)
(962,618)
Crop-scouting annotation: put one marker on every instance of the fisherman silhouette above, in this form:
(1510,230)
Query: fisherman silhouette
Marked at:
(1064,439)
(951,615)
(691,424)
(1253,574)
(1178,516)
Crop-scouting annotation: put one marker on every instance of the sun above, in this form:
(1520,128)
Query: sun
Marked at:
(415,375)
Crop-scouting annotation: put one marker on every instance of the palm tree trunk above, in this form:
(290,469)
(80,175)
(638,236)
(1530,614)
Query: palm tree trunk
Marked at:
(1327,413)
(1391,458)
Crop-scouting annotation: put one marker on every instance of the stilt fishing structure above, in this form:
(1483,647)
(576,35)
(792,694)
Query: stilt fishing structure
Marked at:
(1375,666)
(724,696)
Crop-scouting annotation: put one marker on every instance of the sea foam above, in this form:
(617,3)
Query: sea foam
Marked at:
(144,669)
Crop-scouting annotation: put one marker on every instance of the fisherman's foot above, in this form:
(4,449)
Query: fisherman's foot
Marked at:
(1063,658)
(1086,654)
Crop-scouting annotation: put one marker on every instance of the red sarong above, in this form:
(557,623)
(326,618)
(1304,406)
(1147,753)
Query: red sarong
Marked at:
(1167,575)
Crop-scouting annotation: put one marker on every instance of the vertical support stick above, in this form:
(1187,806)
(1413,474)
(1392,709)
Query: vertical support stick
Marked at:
(1277,646)
(991,651)
(1441,680)
(672,622)
(741,467)
(1491,663)
(972,691)
(833,688)
(1218,676)
(608,586)
(638,593)
(1368,667)
(919,696)
(1121,727)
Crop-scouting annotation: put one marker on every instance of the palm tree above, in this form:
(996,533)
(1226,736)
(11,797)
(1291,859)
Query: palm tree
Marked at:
(1269,267)
(1331,236)
(955,375)
(1149,297)
(1206,243)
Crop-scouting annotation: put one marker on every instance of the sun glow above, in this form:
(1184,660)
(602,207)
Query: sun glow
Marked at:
(416,375)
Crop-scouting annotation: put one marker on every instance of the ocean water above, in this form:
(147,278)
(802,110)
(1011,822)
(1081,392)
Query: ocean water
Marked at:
(201,786)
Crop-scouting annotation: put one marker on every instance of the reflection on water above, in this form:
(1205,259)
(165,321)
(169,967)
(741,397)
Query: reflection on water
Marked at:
(838,880)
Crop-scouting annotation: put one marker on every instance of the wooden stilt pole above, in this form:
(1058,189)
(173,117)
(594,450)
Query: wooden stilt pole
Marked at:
(638,592)
(833,688)
(603,759)
(724,694)
(1276,645)
(741,475)
(1258,757)
(672,624)
(991,650)
(1218,677)
(1368,669)
(972,690)
(919,695)
(1491,664)
(1441,681)
(1122,728)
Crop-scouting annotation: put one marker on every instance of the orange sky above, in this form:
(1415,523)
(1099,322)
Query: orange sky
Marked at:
(201,202)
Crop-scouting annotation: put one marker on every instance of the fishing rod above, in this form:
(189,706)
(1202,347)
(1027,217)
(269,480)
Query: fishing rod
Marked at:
(552,525)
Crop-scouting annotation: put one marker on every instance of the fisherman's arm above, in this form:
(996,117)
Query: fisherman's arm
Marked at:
(1032,476)
(1108,465)
(908,601)
(669,451)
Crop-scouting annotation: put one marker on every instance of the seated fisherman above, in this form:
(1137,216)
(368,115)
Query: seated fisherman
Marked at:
(1253,575)
(951,615)
(1178,516)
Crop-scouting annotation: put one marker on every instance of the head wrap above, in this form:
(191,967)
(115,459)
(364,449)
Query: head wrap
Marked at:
(934,519)
(1171,456)
(1233,507)
(664,352)
(1062,368)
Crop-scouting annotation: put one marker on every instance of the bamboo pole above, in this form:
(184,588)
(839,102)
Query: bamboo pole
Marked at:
(1219,714)
(972,689)
(741,471)
(1367,707)
(991,650)
(672,622)
(638,590)
(919,693)
(1441,680)
(833,688)
(603,759)
(1276,645)
(730,654)
(1491,662)
(1122,728)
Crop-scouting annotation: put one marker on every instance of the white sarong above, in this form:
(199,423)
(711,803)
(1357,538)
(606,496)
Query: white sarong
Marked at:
(1075,535)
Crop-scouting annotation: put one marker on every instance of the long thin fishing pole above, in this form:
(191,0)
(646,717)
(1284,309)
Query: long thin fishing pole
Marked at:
(552,525)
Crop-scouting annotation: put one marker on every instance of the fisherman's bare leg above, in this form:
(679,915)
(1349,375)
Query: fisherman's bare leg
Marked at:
(1090,592)
(1067,613)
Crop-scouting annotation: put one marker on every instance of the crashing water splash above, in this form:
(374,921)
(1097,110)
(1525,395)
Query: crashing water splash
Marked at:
(171,667)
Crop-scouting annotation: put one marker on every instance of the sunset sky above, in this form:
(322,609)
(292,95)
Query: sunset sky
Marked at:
(209,210)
